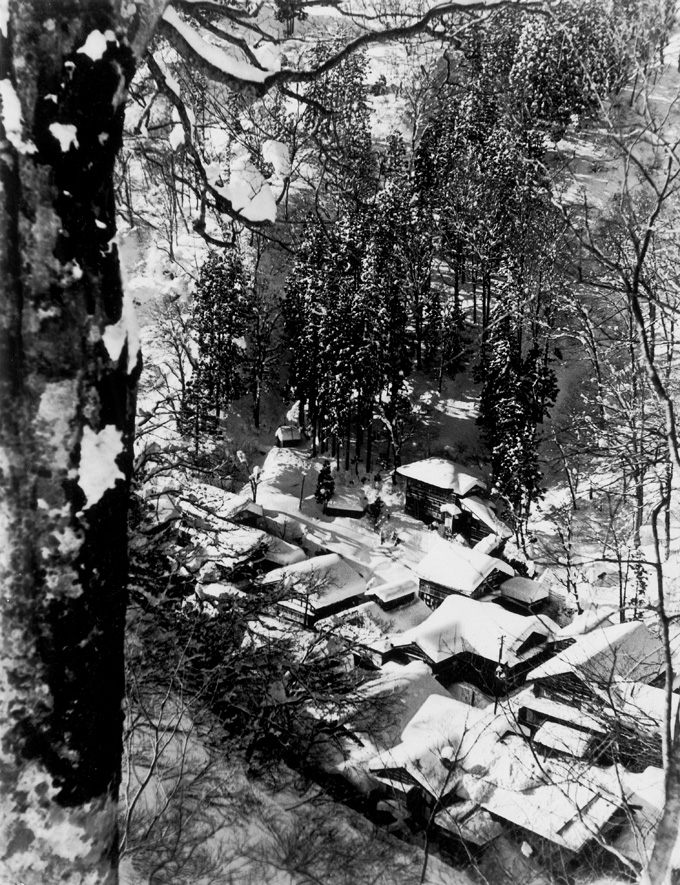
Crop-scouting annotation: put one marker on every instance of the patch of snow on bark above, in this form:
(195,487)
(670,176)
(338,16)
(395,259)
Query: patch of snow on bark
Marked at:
(98,469)
(55,412)
(126,329)
(12,118)
(66,134)
(95,45)
(4,17)
(58,833)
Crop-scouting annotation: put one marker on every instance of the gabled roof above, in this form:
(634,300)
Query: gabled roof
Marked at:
(564,739)
(283,553)
(481,628)
(485,512)
(441,722)
(459,568)
(327,580)
(288,433)
(567,812)
(524,590)
(629,651)
(643,703)
(443,740)
(443,474)
(204,501)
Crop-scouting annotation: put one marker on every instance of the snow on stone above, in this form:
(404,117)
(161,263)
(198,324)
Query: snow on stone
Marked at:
(115,335)
(12,118)
(95,45)
(66,134)
(98,469)
(278,154)
(214,55)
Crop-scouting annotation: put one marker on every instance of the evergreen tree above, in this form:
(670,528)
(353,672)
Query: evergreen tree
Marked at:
(517,394)
(221,307)
(338,118)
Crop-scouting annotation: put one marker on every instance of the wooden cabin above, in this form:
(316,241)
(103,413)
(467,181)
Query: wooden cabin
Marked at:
(287,436)
(316,588)
(559,819)
(451,568)
(435,482)
(601,683)
(524,595)
(478,642)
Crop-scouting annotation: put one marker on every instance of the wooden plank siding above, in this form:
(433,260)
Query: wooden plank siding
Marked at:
(434,594)
(424,501)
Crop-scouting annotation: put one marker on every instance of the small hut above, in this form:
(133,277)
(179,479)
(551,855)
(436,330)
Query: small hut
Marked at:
(524,595)
(287,436)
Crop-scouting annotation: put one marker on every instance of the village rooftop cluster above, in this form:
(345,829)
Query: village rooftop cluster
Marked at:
(499,723)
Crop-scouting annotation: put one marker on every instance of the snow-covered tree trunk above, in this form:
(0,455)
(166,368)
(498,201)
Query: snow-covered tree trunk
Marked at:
(67,381)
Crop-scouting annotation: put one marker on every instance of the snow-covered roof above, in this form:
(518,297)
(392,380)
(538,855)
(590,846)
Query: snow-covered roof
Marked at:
(568,812)
(327,580)
(288,433)
(524,590)
(470,823)
(226,547)
(564,739)
(443,474)
(629,651)
(349,500)
(459,568)
(644,703)
(393,591)
(481,628)
(204,501)
(485,512)
(440,722)
(557,711)
(283,553)
(444,739)
(371,626)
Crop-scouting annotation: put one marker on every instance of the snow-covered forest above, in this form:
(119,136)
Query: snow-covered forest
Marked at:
(340,516)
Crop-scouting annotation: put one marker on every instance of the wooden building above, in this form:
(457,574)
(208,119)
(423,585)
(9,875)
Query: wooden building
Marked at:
(478,642)
(435,482)
(600,685)
(451,568)
(287,436)
(316,588)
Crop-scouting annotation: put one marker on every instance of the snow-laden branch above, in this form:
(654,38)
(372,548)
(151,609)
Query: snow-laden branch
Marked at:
(223,66)
(246,196)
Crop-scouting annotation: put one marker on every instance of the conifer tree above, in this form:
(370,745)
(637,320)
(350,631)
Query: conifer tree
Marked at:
(338,116)
(219,325)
